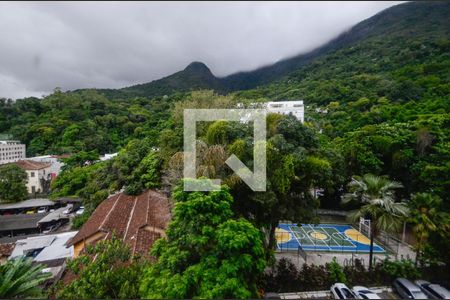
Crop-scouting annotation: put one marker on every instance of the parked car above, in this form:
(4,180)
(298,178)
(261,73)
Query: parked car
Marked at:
(362,292)
(341,291)
(80,211)
(68,210)
(42,210)
(408,290)
(30,212)
(434,291)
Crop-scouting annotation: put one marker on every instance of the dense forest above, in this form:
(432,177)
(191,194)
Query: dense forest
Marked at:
(377,102)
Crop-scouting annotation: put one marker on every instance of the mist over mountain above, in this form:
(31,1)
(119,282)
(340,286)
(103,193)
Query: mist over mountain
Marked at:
(407,21)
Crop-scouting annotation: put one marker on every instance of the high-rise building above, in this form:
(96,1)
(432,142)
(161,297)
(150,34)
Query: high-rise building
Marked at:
(11,151)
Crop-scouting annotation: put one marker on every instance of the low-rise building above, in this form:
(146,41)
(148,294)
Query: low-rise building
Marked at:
(39,175)
(11,151)
(136,220)
(53,160)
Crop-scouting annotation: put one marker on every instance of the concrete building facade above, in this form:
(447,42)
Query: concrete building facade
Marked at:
(11,151)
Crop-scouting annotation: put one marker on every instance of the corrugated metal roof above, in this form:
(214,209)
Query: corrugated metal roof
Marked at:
(53,246)
(27,204)
(17,222)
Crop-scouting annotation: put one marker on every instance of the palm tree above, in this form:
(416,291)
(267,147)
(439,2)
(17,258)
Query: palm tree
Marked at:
(376,194)
(20,278)
(426,217)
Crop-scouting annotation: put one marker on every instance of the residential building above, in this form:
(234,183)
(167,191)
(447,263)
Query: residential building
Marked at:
(11,151)
(108,156)
(39,175)
(296,108)
(53,160)
(136,220)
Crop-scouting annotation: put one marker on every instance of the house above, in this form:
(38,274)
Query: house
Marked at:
(11,151)
(136,220)
(55,163)
(39,175)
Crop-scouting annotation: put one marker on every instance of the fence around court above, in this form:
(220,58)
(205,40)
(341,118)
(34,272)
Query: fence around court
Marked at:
(333,244)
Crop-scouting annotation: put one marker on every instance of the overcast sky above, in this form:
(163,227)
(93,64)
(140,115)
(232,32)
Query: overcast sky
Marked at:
(79,45)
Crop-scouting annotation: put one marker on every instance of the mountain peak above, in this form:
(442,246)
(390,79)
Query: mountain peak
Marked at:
(197,67)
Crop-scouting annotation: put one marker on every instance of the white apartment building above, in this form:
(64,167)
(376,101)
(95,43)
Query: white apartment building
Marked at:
(39,175)
(295,108)
(11,151)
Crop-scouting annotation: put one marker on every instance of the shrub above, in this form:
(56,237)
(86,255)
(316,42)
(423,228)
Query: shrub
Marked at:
(402,268)
(336,272)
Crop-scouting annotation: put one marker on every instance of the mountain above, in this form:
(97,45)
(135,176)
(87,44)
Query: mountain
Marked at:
(411,20)
(194,77)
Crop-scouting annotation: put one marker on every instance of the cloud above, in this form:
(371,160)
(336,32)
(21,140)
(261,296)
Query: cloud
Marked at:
(111,45)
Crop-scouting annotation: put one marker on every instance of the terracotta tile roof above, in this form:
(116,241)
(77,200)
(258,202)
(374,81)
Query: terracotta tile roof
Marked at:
(137,220)
(31,165)
(6,249)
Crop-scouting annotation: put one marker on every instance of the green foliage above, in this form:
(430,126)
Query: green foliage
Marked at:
(136,167)
(206,254)
(81,121)
(80,159)
(376,195)
(20,278)
(113,274)
(401,268)
(336,272)
(428,219)
(79,220)
(12,183)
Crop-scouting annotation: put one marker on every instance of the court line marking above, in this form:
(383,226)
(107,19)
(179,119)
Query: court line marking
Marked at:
(330,235)
(312,247)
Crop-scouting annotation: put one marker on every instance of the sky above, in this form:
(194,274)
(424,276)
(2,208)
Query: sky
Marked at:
(71,45)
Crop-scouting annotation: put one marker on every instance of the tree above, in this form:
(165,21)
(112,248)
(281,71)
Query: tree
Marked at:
(21,278)
(376,194)
(427,217)
(12,183)
(107,270)
(206,253)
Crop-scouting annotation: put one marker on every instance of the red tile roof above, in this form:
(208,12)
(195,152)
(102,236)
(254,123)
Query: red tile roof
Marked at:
(137,220)
(31,165)
(6,249)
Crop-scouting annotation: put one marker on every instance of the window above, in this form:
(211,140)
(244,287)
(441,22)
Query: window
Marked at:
(32,174)
(338,292)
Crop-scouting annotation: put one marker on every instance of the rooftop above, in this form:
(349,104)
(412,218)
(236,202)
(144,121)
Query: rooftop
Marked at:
(17,222)
(6,249)
(27,204)
(31,165)
(137,220)
(53,246)
(54,216)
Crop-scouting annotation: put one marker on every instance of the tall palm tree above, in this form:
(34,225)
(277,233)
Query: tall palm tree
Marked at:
(376,194)
(426,217)
(20,278)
